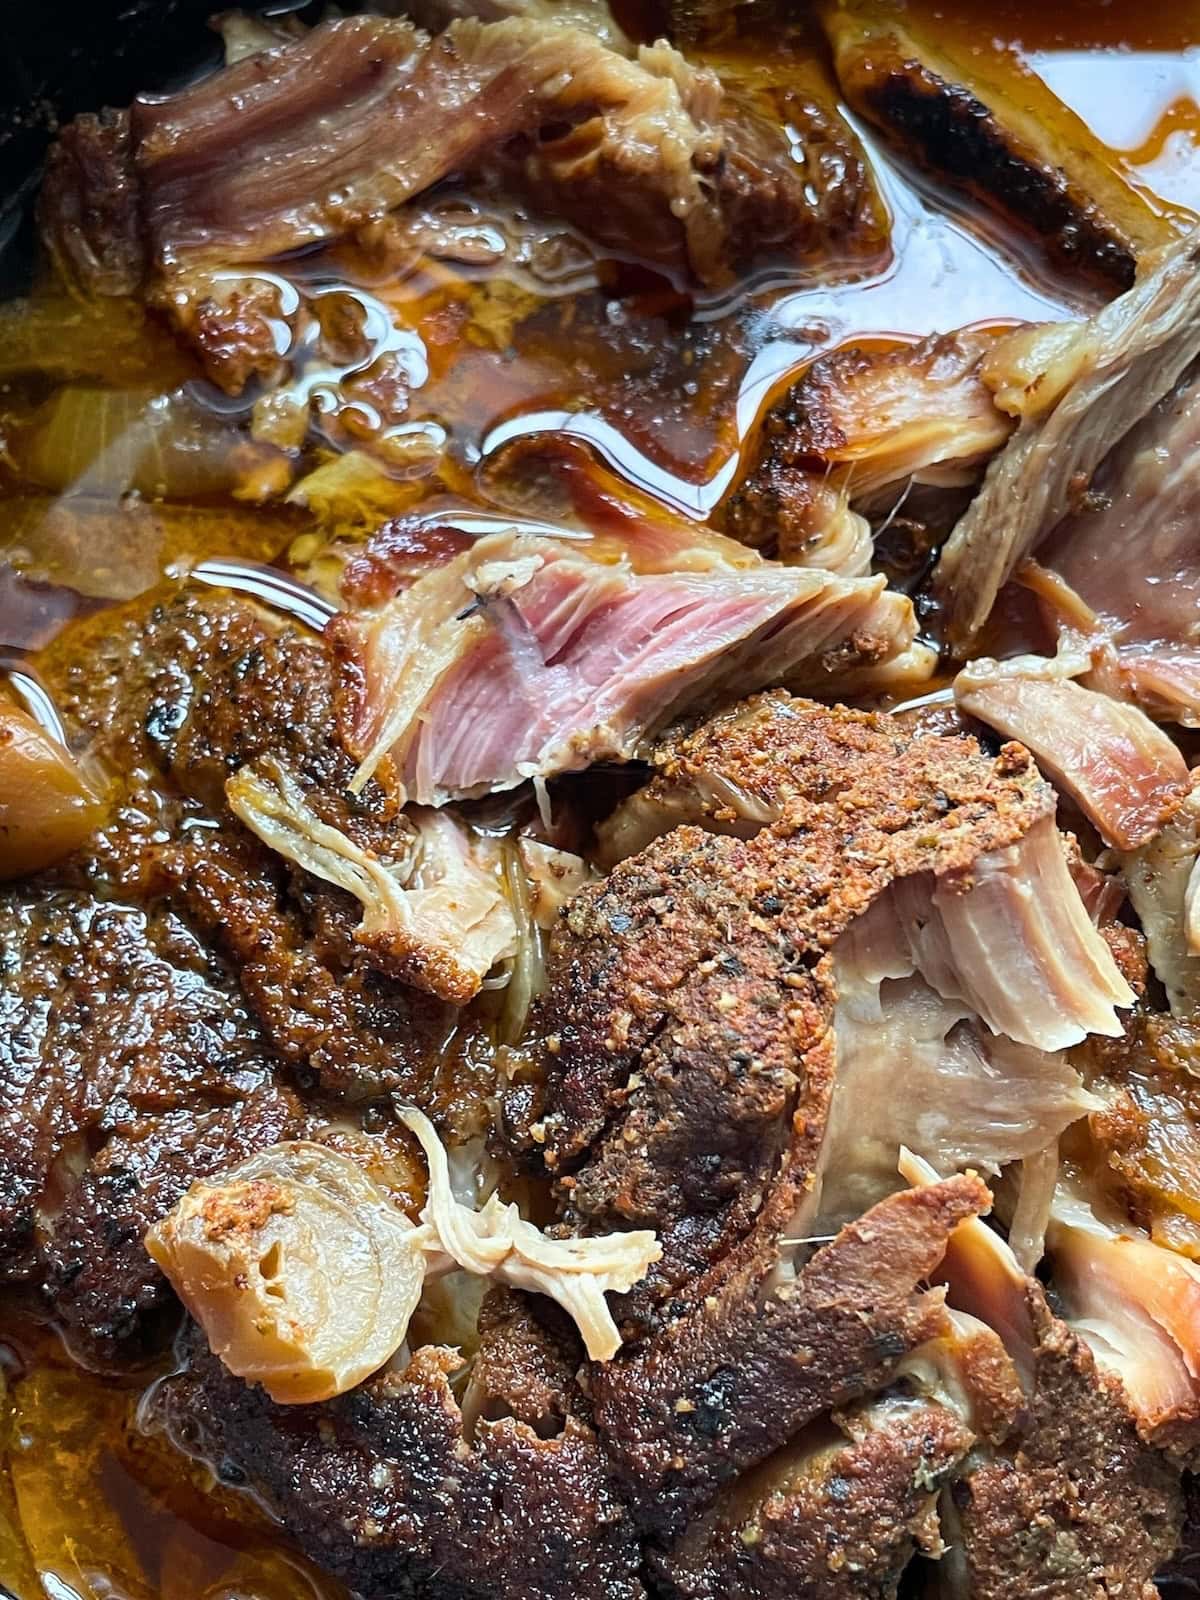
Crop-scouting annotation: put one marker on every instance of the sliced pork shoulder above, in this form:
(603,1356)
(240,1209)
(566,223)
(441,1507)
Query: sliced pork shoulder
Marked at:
(1124,773)
(1077,394)
(524,657)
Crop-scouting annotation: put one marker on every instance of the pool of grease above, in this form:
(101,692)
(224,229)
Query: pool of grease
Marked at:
(666,387)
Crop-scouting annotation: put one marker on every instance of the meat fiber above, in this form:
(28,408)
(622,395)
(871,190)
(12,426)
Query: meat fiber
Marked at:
(394,1492)
(1069,1501)
(1163,880)
(674,1088)
(837,1515)
(1132,558)
(1125,775)
(346,122)
(1117,366)
(858,430)
(524,657)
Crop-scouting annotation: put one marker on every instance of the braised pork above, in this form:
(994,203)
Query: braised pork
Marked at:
(1069,1500)
(398,1496)
(1130,558)
(854,435)
(675,1088)
(1113,370)
(524,656)
(348,121)
(1125,775)
(834,1516)
(1019,150)
(1164,887)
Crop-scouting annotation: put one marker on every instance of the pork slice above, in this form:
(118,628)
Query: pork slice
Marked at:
(1137,1307)
(836,1515)
(1132,558)
(692,1019)
(329,130)
(391,1489)
(130,1064)
(1001,137)
(524,657)
(858,430)
(1124,773)
(1118,365)
(1071,1501)
(753,1360)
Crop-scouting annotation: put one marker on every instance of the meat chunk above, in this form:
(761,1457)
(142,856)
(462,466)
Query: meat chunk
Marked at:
(1130,556)
(1163,880)
(346,122)
(1005,140)
(1069,1501)
(1125,775)
(673,1076)
(755,1358)
(129,1065)
(858,430)
(388,1489)
(525,657)
(1076,1506)
(1114,369)
(835,1516)
(88,207)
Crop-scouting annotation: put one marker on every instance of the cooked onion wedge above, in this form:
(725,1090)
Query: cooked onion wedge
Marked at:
(298,1267)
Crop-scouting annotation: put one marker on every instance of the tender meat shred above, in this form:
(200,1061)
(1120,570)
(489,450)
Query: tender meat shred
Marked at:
(857,428)
(1163,880)
(524,656)
(1137,1307)
(754,1359)
(672,1080)
(1130,555)
(833,1516)
(129,1065)
(1123,361)
(347,121)
(1126,776)
(1023,153)
(386,1486)
(436,915)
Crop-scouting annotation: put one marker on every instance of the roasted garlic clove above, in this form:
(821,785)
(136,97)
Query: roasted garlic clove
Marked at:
(299,1268)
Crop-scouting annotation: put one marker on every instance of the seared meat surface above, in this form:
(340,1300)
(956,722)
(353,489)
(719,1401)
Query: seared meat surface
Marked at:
(398,1495)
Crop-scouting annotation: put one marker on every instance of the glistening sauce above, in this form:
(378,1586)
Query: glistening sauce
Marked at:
(665,386)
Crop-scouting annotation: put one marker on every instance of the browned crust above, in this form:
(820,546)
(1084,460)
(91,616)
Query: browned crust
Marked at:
(825,1522)
(1078,1508)
(749,1363)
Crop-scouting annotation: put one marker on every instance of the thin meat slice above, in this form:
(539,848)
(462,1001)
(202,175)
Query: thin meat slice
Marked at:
(836,1515)
(1069,1501)
(328,131)
(986,124)
(1116,366)
(1132,556)
(1137,1306)
(1125,774)
(524,657)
